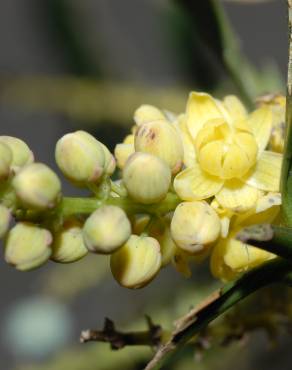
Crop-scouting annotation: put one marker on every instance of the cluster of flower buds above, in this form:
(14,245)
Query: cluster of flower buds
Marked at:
(185,186)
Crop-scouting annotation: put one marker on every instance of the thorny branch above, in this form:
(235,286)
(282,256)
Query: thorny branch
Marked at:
(118,339)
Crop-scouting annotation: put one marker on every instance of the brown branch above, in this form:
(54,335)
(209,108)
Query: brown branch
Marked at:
(216,304)
(118,339)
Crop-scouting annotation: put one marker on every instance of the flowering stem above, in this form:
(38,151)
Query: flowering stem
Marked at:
(286,177)
(277,270)
(71,206)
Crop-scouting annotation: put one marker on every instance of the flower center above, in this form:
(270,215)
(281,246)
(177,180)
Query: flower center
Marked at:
(226,151)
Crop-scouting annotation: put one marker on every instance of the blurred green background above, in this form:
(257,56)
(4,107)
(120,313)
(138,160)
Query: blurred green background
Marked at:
(68,64)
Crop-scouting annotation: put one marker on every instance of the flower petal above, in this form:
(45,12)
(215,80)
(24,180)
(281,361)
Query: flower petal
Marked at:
(267,172)
(194,184)
(235,108)
(230,258)
(241,257)
(189,148)
(261,123)
(266,210)
(237,196)
(201,108)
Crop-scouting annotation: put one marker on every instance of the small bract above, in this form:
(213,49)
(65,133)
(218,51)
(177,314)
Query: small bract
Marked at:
(137,262)
(27,246)
(80,157)
(146,177)
(194,226)
(106,230)
(37,186)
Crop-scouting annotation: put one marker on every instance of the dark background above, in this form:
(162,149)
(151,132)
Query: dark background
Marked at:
(130,34)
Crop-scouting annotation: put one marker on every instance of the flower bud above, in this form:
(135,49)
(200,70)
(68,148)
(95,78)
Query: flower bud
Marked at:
(161,232)
(80,157)
(27,246)
(68,245)
(194,225)
(122,153)
(5,160)
(109,161)
(146,177)
(106,230)
(37,186)
(5,217)
(161,139)
(21,154)
(137,262)
(147,113)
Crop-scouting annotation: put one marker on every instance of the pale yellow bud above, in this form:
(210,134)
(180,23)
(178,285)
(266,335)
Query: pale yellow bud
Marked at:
(5,217)
(27,246)
(122,153)
(109,161)
(147,178)
(37,186)
(5,160)
(161,232)
(21,154)
(68,245)
(194,226)
(137,262)
(147,113)
(106,230)
(129,139)
(161,139)
(80,157)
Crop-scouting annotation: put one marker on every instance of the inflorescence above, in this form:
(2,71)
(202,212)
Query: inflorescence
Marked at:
(184,186)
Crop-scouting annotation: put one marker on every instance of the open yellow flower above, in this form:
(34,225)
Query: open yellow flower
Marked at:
(225,153)
(230,257)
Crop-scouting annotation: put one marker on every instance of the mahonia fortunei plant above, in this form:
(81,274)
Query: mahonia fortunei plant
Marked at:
(185,186)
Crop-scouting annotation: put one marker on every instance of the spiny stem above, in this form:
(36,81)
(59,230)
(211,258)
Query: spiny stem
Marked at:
(274,271)
(286,176)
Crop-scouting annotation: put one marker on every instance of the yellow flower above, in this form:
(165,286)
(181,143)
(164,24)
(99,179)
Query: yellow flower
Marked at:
(230,257)
(225,153)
